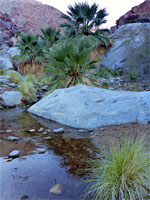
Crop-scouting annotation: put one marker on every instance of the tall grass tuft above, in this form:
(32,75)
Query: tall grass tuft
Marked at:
(15,77)
(123,174)
(28,91)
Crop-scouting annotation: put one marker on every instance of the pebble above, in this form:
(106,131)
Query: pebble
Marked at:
(44,133)
(9,131)
(41,150)
(13,138)
(58,130)
(45,88)
(56,189)
(82,130)
(14,154)
(41,129)
(32,130)
(48,130)
(9,160)
(47,138)
(13,85)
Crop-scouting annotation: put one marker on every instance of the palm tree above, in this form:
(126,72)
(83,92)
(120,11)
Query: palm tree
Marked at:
(32,54)
(70,60)
(50,36)
(83,19)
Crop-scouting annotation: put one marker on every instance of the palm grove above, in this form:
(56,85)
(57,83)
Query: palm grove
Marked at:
(64,55)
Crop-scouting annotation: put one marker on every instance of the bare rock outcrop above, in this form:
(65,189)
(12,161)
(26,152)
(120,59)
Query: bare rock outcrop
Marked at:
(137,14)
(31,15)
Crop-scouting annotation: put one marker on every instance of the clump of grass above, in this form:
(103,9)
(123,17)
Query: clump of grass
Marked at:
(124,173)
(2,71)
(30,78)
(44,80)
(15,77)
(105,72)
(28,91)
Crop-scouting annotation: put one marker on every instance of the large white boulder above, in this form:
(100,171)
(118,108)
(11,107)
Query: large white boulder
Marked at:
(128,35)
(11,98)
(90,107)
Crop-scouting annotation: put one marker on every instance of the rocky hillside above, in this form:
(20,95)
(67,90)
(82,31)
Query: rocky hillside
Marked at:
(137,14)
(31,15)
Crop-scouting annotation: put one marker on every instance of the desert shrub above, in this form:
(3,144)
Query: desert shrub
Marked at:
(15,77)
(137,66)
(123,174)
(104,72)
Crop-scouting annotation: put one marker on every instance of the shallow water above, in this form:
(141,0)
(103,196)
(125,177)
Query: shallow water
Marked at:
(33,174)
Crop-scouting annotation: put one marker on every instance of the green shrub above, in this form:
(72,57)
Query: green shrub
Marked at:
(123,174)
(15,77)
(104,72)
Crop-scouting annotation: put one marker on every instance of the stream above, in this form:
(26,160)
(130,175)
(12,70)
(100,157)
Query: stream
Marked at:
(32,175)
(65,158)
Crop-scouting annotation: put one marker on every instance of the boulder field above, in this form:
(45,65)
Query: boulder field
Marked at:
(90,107)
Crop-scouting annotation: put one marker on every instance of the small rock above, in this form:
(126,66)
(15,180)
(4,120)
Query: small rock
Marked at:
(9,160)
(92,133)
(81,130)
(41,129)
(59,130)
(45,88)
(47,138)
(56,189)
(9,131)
(13,85)
(48,130)
(24,197)
(44,133)
(14,154)
(32,130)
(13,138)
(41,150)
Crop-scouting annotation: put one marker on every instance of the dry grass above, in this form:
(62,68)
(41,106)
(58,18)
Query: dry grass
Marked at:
(36,69)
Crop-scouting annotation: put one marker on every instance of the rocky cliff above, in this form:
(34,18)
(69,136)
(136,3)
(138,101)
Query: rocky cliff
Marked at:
(31,15)
(137,14)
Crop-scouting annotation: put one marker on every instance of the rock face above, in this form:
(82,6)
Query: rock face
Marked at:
(7,28)
(31,15)
(6,53)
(125,36)
(90,107)
(137,14)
